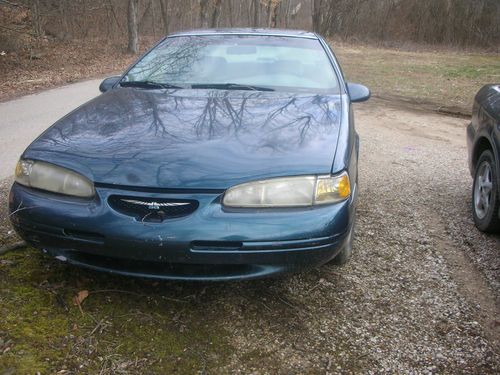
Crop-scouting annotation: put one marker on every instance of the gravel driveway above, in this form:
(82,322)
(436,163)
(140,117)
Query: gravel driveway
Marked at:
(421,294)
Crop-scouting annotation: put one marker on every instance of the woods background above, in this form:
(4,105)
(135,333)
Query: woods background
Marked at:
(465,23)
(447,46)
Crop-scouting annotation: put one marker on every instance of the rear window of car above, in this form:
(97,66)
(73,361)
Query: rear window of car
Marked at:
(280,63)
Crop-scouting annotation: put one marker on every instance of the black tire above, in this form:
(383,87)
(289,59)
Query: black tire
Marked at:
(346,252)
(485,207)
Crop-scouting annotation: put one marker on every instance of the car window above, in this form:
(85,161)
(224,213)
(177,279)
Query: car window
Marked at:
(280,63)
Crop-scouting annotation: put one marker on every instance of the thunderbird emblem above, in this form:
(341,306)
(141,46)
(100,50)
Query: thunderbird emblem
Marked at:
(155,205)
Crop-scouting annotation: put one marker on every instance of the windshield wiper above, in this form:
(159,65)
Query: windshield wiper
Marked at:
(149,84)
(230,86)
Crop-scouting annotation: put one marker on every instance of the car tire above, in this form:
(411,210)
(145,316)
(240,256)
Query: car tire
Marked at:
(485,197)
(345,254)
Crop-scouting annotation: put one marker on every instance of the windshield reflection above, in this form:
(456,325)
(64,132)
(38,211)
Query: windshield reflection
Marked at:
(272,62)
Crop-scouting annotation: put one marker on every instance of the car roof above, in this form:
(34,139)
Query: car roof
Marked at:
(248,31)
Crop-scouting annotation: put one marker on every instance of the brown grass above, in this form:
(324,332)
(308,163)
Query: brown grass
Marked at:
(446,80)
(59,63)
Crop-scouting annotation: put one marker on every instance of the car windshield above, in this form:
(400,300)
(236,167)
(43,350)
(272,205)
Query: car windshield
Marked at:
(247,62)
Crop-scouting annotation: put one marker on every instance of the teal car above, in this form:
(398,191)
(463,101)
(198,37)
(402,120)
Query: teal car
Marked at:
(218,155)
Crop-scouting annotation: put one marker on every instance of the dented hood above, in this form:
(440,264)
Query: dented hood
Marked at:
(207,139)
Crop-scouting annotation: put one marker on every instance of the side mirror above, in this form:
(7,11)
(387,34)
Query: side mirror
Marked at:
(358,93)
(108,83)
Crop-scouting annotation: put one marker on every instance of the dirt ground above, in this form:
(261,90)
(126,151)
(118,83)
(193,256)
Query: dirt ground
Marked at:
(420,295)
(60,63)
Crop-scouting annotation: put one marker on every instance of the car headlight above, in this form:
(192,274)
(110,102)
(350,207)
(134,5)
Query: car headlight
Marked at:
(50,177)
(289,192)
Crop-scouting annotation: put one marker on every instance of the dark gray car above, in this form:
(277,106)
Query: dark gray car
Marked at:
(483,141)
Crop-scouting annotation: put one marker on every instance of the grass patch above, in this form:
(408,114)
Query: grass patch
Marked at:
(448,79)
(142,325)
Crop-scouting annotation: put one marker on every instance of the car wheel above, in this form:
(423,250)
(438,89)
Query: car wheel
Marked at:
(346,252)
(485,200)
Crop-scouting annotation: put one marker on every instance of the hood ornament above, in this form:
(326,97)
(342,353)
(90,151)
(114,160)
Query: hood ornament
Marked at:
(155,205)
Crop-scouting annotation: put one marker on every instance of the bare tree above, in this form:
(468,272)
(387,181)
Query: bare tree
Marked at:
(316,15)
(286,16)
(216,13)
(274,15)
(37,18)
(256,13)
(452,22)
(147,11)
(230,12)
(269,11)
(164,15)
(204,13)
(133,38)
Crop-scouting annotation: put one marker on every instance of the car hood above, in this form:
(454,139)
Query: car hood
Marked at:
(206,139)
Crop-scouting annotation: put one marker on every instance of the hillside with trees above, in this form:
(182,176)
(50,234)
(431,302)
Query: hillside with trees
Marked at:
(450,22)
(44,43)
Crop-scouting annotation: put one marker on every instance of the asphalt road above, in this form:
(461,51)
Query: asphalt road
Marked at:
(419,296)
(23,119)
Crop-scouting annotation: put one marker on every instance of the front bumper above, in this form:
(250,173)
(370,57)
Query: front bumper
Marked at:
(209,244)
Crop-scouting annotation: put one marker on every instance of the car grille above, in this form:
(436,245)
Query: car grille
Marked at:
(152,209)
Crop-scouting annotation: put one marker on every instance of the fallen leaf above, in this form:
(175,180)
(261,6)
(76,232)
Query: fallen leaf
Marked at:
(80,297)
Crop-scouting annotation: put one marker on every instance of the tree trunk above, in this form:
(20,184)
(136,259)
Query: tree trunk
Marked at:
(164,15)
(37,19)
(272,13)
(115,17)
(191,22)
(269,12)
(288,9)
(143,18)
(274,16)
(256,13)
(203,13)
(153,20)
(133,39)
(230,12)
(65,33)
(316,15)
(216,14)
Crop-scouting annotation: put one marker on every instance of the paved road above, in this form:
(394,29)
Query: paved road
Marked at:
(23,119)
